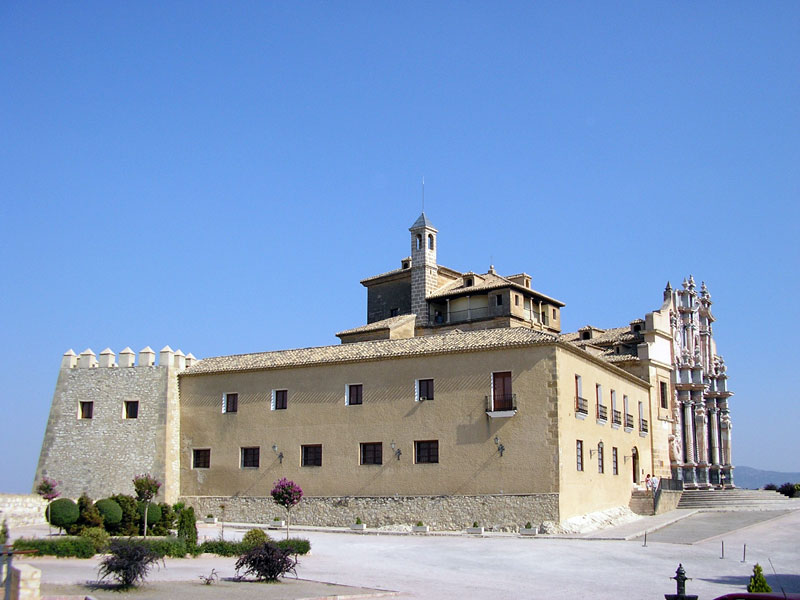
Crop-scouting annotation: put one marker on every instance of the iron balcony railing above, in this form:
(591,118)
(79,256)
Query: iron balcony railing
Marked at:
(629,421)
(616,417)
(643,427)
(602,412)
(581,405)
(501,402)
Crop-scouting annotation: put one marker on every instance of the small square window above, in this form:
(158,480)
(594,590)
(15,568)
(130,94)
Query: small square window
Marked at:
(281,399)
(394,312)
(131,409)
(311,455)
(201,458)
(230,403)
(372,453)
(353,394)
(86,410)
(424,389)
(499,300)
(426,451)
(251,457)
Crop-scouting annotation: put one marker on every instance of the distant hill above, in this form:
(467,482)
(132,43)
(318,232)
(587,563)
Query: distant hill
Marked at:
(748,477)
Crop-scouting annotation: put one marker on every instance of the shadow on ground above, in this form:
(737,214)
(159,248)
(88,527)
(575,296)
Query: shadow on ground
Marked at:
(790,583)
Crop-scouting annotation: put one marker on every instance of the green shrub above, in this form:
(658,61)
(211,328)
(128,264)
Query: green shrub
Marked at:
(167,522)
(88,516)
(63,513)
(78,547)
(110,512)
(267,562)
(223,548)
(358,521)
(129,524)
(787,489)
(129,562)
(253,538)
(153,514)
(166,546)
(420,524)
(758,582)
(98,536)
(4,532)
(187,528)
(295,545)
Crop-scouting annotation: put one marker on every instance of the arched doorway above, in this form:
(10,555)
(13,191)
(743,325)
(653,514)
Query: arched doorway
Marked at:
(635,461)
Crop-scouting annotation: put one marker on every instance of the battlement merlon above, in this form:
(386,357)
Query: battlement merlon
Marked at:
(87,359)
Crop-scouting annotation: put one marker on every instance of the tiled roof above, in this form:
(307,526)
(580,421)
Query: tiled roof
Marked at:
(384,324)
(491,281)
(396,271)
(453,342)
(608,336)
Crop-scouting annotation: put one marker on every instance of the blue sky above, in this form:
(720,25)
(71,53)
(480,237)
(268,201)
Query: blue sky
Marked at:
(219,176)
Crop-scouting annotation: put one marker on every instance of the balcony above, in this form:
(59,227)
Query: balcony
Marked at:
(602,413)
(501,405)
(461,316)
(628,421)
(616,417)
(581,406)
(643,426)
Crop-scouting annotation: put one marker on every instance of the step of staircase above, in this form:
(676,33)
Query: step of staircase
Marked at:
(736,498)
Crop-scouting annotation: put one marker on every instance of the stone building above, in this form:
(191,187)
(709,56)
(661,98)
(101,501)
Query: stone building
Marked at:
(459,400)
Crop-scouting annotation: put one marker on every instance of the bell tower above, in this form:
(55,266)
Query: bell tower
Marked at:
(424,272)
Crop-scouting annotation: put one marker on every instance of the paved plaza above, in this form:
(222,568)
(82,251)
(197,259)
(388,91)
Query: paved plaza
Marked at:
(603,565)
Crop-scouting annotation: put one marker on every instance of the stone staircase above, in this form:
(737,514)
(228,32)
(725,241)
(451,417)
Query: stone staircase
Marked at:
(736,499)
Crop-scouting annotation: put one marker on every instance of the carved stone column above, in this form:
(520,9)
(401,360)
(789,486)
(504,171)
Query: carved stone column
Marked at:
(701,439)
(688,450)
(713,439)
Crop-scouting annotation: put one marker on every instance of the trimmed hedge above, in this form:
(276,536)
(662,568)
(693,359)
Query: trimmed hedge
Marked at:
(110,511)
(170,546)
(295,545)
(223,547)
(63,512)
(78,547)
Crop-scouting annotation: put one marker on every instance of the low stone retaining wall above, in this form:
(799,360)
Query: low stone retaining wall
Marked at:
(445,513)
(668,501)
(22,509)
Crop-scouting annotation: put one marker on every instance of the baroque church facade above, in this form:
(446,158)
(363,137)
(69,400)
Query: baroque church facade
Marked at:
(459,400)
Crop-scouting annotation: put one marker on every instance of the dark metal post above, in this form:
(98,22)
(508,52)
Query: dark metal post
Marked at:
(744,553)
(645,538)
(680,579)
(7,554)
(723,549)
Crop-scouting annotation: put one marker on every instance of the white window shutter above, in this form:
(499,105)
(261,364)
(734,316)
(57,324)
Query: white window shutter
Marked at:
(224,402)
(347,394)
(272,402)
(416,390)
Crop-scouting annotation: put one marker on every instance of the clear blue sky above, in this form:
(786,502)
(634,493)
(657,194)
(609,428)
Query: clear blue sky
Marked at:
(219,176)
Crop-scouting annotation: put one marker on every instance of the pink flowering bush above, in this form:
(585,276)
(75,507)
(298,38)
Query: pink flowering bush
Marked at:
(287,494)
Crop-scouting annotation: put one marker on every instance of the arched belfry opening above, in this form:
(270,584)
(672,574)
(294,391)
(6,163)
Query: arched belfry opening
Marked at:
(430,241)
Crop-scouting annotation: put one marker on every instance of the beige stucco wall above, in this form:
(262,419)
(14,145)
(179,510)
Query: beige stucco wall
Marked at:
(316,414)
(588,490)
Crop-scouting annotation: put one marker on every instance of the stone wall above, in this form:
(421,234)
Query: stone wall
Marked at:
(101,455)
(501,512)
(22,509)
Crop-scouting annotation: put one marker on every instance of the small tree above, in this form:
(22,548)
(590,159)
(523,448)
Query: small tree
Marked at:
(4,534)
(287,494)
(47,490)
(758,583)
(146,487)
(128,562)
(187,528)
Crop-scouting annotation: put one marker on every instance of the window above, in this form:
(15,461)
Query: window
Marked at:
(516,300)
(353,393)
(614,461)
(419,242)
(424,389)
(279,399)
(394,312)
(312,455)
(555,314)
(579,454)
(502,397)
(230,403)
(426,452)
(372,453)
(430,241)
(250,457)
(664,395)
(468,282)
(131,409)
(86,410)
(201,458)
(600,459)
(499,300)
